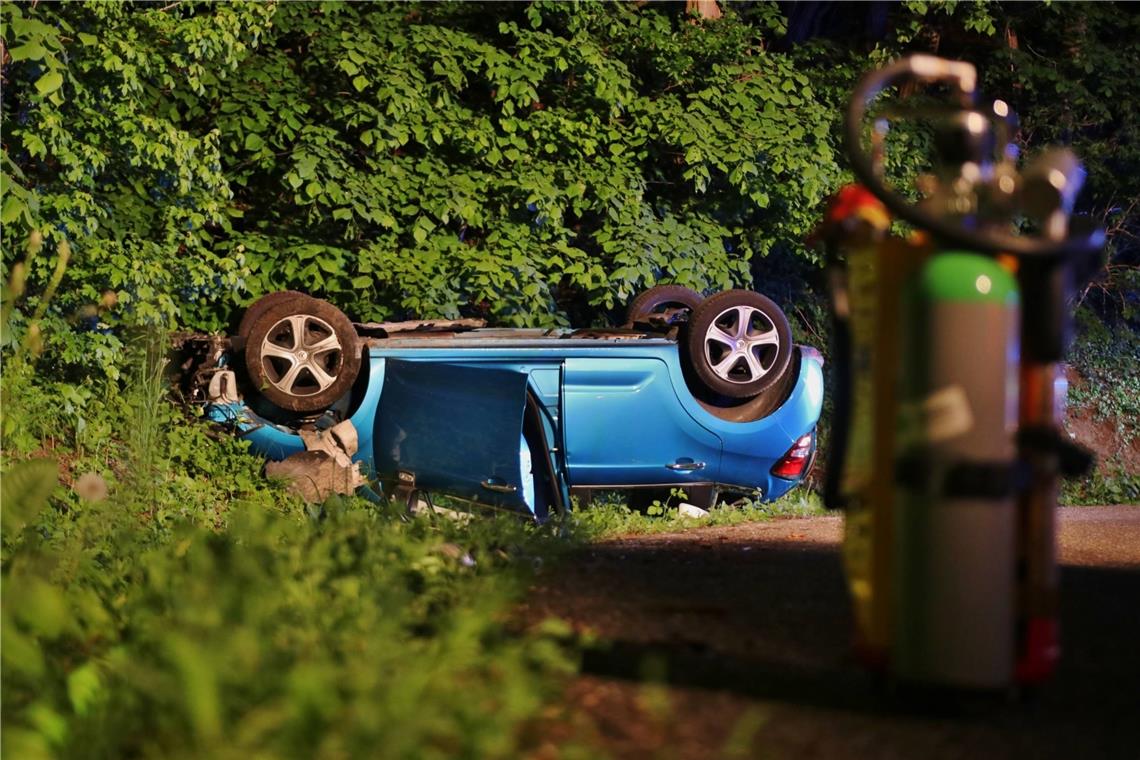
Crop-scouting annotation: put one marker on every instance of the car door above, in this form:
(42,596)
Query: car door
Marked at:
(458,429)
(624,426)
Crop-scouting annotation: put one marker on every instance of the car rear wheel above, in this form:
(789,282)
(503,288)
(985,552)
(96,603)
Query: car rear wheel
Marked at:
(739,343)
(658,299)
(302,354)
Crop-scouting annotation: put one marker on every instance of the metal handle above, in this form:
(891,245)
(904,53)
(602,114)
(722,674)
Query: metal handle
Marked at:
(686,466)
(498,487)
(926,68)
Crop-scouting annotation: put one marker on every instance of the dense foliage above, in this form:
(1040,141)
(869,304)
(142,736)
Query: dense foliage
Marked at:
(437,159)
(527,162)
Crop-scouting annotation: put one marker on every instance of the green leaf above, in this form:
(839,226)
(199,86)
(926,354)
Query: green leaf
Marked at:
(306,166)
(43,608)
(200,695)
(49,723)
(35,145)
(21,653)
(49,83)
(84,687)
(33,51)
(24,491)
(13,207)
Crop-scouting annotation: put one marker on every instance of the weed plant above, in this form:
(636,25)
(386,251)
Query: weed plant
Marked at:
(167,625)
(609,514)
(1108,360)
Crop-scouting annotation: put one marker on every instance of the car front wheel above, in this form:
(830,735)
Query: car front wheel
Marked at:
(302,353)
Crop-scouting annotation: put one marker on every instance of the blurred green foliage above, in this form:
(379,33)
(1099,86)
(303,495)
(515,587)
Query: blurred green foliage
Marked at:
(348,636)
(174,604)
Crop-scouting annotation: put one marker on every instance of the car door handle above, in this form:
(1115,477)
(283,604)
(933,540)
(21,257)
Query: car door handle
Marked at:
(686,466)
(499,486)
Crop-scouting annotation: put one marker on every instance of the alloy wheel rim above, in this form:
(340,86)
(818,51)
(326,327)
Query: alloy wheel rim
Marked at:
(301,355)
(741,345)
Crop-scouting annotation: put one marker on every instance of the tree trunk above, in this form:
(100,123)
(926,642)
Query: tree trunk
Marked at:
(706,8)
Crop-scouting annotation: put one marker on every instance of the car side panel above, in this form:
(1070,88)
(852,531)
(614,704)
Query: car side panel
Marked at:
(623,426)
(546,383)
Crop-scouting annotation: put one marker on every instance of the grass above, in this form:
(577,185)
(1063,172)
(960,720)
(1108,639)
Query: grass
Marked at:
(610,516)
(284,632)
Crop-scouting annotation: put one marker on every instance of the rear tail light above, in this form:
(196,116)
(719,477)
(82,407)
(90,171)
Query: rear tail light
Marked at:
(795,463)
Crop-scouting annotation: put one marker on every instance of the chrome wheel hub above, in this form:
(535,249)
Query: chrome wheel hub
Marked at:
(741,345)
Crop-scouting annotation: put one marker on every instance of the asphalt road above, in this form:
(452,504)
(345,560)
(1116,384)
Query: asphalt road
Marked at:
(736,642)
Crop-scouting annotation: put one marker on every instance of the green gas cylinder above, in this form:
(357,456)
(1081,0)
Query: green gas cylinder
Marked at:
(955,543)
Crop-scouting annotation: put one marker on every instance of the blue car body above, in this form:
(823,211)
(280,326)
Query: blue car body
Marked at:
(477,414)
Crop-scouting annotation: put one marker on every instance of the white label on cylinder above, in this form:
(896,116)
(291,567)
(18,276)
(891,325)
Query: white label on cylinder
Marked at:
(946,414)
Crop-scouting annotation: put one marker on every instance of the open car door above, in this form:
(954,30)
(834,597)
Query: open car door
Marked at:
(458,430)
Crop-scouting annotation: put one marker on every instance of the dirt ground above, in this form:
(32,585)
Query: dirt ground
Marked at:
(1100,435)
(734,641)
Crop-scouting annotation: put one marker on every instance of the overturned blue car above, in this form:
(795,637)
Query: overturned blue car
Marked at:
(706,394)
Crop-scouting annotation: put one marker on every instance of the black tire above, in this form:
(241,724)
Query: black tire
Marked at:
(267,302)
(659,298)
(282,362)
(734,359)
